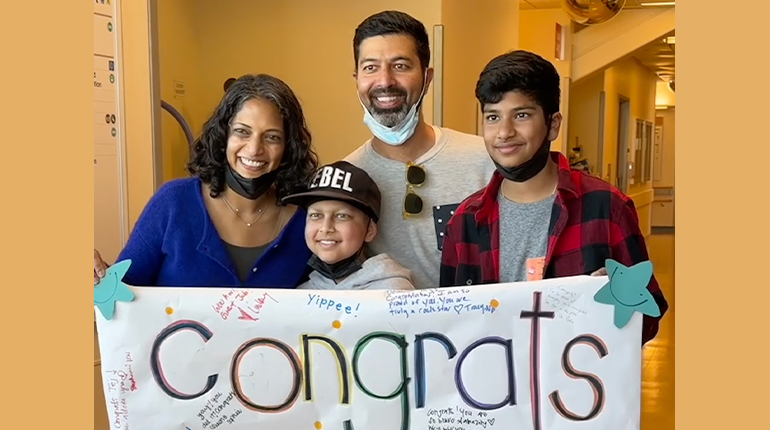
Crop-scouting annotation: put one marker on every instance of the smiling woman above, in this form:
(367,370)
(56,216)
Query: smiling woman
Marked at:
(226,226)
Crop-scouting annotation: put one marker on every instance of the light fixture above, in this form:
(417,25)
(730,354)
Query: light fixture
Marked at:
(659,3)
(669,40)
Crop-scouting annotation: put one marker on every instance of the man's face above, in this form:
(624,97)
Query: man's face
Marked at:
(515,127)
(389,77)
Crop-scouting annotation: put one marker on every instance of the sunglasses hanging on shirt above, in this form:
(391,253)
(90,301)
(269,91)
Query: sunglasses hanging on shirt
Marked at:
(415,178)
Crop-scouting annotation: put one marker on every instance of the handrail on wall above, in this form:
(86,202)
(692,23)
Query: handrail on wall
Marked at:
(180,119)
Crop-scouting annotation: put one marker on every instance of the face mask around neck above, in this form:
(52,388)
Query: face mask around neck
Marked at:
(402,131)
(338,270)
(531,167)
(249,188)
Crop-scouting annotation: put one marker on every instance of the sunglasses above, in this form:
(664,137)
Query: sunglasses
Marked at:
(415,177)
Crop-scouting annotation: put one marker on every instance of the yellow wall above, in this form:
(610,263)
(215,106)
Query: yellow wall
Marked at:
(663,95)
(179,61)
(308,44)
(630,79)
(474,33)
(584,111)
(537,33)
(667,156)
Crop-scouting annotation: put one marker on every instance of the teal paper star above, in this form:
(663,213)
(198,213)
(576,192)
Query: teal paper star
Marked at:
(627,291)
(111,289)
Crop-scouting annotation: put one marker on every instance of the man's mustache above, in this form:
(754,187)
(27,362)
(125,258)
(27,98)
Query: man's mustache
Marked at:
(392,91)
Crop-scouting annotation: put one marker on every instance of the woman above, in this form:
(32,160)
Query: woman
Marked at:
(225,225)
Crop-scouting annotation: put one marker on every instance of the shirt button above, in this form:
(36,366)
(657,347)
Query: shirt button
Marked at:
(254,270)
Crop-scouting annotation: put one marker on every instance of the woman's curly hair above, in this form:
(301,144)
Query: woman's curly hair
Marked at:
(299,162)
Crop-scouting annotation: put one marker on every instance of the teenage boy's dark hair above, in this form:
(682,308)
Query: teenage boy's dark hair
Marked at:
(522,71)
(391,22)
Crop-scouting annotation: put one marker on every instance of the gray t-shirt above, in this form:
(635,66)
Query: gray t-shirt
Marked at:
(523,235)
(456,167)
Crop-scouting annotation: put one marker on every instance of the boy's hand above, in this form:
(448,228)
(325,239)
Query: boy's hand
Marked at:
(600,272)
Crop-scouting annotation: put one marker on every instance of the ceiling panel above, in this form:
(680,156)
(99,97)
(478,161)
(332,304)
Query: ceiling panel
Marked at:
(659,56)
(552,4)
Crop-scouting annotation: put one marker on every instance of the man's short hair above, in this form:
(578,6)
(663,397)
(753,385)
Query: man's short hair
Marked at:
(393,23)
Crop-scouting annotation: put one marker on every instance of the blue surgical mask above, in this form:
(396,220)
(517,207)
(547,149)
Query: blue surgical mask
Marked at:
(399,133)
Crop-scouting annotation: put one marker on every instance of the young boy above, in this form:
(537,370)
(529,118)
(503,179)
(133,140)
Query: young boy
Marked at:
(537,218)
(343,207)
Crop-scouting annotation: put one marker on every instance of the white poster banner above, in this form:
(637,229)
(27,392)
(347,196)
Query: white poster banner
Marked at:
(530,355)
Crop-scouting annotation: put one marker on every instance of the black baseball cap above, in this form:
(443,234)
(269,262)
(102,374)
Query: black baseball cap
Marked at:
(344,182)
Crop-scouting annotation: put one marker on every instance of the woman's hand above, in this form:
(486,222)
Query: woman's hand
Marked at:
(100,267)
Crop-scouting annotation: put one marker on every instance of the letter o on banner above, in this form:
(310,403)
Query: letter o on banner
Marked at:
(296,368)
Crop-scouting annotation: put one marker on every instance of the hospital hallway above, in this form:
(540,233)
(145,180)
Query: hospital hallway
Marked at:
(658,356)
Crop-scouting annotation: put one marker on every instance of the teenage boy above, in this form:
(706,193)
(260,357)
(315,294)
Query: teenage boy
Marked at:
(343,208)
(537,218)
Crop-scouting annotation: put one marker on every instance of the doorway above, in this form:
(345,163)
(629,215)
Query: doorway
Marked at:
(624,118)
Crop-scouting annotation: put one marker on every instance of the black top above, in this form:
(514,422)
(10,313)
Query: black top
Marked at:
(244,258)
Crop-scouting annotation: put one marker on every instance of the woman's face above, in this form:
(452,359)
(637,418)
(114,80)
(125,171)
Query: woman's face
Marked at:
(256,139)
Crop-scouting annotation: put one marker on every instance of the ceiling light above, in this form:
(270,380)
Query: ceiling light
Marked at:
(660,3)
(669,40)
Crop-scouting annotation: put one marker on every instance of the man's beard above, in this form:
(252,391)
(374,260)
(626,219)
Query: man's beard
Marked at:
(388,117)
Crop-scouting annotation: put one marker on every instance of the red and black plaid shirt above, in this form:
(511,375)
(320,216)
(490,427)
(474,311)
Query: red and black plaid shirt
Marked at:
(591,221)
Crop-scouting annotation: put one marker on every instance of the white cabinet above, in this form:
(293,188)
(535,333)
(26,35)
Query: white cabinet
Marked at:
(663,208)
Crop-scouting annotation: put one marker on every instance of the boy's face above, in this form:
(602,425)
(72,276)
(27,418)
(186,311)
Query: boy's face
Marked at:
(335,230)
(515,127)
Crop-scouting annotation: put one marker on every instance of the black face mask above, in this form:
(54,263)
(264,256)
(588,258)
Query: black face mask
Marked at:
(529,168)
(249,188)
(338,270)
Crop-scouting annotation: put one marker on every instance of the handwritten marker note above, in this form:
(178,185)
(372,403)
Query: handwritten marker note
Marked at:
(326,304)
(119,383)
(246,305)
(437,300)
(459,417)
(567,305)
(217,410)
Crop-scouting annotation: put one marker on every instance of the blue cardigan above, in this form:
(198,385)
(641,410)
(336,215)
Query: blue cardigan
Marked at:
(175,244)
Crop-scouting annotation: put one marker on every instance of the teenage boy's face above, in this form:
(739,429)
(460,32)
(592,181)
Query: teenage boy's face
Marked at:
(335,230)
(515,127)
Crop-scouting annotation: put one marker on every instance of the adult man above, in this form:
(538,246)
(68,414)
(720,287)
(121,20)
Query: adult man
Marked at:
(537,217)
(423,171)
